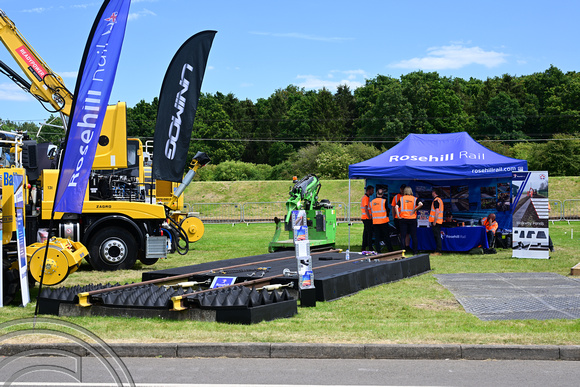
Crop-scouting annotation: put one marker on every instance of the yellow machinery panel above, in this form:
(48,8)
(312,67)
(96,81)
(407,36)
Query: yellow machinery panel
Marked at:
(193,227)
(112,148)
(49,180)
(63,258)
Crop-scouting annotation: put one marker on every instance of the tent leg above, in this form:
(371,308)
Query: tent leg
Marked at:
(348,215)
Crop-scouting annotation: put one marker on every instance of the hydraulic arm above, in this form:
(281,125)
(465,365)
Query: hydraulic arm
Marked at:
(303,196)
(45,85)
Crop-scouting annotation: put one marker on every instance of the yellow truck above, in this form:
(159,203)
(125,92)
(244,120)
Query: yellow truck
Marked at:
(125,218)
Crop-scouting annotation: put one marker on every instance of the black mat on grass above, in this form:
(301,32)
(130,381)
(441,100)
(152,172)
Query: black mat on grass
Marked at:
(515,296)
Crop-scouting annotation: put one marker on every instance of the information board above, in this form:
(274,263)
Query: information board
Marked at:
(20,237)
(302,248)
(530,218)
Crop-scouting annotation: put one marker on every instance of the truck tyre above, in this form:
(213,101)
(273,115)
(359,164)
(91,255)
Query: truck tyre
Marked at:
(112,248)
(11,284)
(148,261)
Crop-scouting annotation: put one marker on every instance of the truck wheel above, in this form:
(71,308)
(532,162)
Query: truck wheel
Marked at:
(148,261)
(113,248)
(11,284)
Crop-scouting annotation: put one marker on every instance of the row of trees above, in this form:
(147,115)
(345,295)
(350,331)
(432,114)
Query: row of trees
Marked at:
(514,116)
(294,131)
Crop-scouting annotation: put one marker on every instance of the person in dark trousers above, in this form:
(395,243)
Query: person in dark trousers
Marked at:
(396,219)
(380,214)
(367,219)
(407,208)
(436,220)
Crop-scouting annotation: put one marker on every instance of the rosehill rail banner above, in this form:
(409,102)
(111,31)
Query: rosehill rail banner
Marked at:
(91,97)
(531,211)
(177,106)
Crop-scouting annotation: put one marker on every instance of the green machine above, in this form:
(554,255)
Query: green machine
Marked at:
(321,216)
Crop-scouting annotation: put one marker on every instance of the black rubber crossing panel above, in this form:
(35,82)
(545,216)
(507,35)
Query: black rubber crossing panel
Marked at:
(515,296)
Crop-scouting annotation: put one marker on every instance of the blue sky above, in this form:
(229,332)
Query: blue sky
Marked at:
(262,46)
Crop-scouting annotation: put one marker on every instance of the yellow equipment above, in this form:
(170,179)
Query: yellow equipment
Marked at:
(122,220)
(64,257)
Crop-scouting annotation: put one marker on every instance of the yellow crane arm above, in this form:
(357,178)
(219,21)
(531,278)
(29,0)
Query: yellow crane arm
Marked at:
(47,86)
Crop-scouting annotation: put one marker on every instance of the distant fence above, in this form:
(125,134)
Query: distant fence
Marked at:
(556,210)
(250,212)
(571,209)
(265,212)
(218,212)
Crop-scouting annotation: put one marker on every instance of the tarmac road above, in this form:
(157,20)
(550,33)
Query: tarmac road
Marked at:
(219,372)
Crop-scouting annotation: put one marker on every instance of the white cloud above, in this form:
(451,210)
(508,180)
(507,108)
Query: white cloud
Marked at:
(139,14)
(351,74)
(36,10)
(86,5)
(353,79)
(453,57)
(297,35)
(11,92)
(69,74)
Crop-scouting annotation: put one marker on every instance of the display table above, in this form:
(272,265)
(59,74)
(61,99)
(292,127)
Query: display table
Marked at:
(454,238)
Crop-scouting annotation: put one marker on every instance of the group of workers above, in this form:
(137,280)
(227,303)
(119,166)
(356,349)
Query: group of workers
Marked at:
(375,218)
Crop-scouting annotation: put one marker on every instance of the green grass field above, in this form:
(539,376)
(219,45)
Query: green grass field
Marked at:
(414,310)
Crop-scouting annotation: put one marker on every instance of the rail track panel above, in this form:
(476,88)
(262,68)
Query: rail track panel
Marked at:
(334,277)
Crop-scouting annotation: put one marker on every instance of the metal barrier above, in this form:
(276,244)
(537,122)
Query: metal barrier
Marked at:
(250,212)
(263,212)
(218,212)
(571,209)
(341,212)
(556,210)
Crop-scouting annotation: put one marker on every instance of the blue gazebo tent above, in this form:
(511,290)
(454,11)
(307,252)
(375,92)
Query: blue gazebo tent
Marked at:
(476,179)
(446,156)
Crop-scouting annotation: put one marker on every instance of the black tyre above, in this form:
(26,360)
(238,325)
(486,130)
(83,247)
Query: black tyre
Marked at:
(112,248)
(11,284)
(148,261)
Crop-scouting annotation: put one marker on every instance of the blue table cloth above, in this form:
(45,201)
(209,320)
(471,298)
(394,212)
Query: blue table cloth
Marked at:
(454,239)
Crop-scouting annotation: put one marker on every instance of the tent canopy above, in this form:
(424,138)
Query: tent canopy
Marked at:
(437,157)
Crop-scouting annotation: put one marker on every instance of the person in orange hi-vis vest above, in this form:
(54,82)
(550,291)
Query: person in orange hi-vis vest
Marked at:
(396,199)
(406,209)
(490,228)
(436,220)
(367,219)
(380,213)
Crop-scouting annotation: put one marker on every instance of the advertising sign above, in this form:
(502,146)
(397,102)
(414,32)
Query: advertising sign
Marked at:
(302,248)
(177,106)
(221,281)
(93,89)
(531,234)
(20,237)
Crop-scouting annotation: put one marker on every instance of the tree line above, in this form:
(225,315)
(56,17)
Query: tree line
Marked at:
(296,131)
